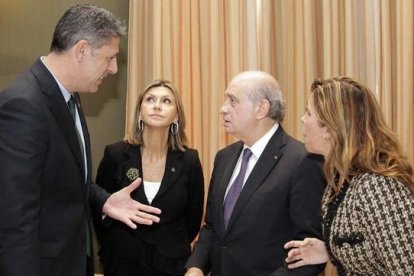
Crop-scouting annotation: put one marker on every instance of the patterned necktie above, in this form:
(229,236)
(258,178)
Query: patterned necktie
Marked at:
(236,188)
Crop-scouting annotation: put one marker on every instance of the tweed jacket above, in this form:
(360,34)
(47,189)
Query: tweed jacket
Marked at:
(369,226)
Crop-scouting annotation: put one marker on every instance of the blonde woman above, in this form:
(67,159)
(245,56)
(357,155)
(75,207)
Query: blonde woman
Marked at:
(368,205)
(156,151)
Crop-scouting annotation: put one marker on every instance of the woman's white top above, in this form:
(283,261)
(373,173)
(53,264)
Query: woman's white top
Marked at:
(151,189)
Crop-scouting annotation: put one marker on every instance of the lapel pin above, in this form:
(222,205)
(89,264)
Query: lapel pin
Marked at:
(173,169)
(275,157)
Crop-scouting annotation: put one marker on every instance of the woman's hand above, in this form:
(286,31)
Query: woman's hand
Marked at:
(307,252)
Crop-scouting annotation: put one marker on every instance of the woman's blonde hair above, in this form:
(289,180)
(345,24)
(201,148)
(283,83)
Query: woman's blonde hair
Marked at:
(177,139)
(361,141)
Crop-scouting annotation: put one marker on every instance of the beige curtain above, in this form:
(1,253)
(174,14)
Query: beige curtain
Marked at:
(201,44)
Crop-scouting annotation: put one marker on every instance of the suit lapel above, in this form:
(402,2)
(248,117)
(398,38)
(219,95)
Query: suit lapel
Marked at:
(58,108)
(226,173)
(173,169)
(270,157)
(133,160)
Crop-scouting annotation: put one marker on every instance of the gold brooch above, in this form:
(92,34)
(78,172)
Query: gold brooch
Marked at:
(132,174)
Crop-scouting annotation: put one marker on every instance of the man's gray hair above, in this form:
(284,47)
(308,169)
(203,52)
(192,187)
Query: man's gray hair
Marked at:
(86,22)
(260,86)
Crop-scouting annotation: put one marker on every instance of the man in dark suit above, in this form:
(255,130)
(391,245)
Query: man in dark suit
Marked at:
(45,166)
(281,188)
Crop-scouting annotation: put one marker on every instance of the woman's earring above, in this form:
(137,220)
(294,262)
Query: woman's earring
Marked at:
(325,136)
(174,128)
(141,124)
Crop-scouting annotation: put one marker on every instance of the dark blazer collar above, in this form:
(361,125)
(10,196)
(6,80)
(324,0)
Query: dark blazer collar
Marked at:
(173,168)
(227,172)
(59,108)
(271,155)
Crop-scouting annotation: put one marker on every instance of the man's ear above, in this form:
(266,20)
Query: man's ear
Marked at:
(262,109)
(80,50)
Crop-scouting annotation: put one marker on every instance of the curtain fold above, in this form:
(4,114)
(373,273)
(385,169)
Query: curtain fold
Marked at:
(201,44)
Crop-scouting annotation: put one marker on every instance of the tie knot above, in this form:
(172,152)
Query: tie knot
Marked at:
(72,100)
(247,153)
(71,105)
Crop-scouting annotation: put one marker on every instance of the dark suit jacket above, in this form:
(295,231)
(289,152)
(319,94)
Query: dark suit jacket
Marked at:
(180,197)
(43,195)
(280,201)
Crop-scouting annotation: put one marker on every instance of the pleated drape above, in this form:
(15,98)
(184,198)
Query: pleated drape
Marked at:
(201,44)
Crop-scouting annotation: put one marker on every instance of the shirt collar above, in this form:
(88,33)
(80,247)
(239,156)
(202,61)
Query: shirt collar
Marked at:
(258,147)
(65,93)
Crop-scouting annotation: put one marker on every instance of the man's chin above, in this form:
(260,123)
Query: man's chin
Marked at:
(93,89)
(228,130)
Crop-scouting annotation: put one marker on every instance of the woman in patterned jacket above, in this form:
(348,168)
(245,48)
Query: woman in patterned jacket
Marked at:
(368,206)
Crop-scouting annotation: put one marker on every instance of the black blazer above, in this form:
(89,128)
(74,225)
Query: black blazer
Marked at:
(180,197)
(44,208)
(280,201)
